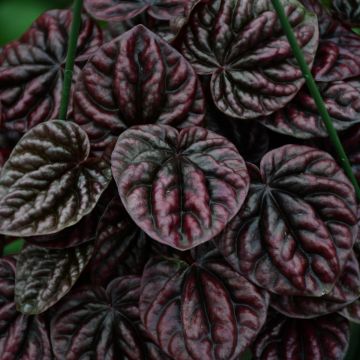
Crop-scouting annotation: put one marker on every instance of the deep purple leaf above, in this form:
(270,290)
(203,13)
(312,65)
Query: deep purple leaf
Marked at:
(99,324)
(301,118)
(136,79)
(200,311)
(242,45)
(120,10)
(182,187)
(32,69)
(49,182)
(347,11)
(44,276)
(22,337)
(298,225)
(324,338)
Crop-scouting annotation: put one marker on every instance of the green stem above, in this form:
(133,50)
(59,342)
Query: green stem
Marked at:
(14,247)
(315,93)
(70,59)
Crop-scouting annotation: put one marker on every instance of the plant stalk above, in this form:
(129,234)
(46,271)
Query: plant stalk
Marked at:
(70,59)
(315,93)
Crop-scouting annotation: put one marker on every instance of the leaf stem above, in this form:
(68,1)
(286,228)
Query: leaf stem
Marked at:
(14,247)
(315,93)
(70,59)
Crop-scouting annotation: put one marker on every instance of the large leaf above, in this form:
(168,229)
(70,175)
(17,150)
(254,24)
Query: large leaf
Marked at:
(49,181)
(44,276)
(119,10)
(182,187)
(99,324)
(200,311)
(301,118)
(32,69)
(347,11)
(22,337)
(241,43)
(324,338)
(136,79)
(298,225)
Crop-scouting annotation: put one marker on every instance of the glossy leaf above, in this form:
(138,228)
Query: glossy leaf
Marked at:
(49,182)
(32,69)
(136,79)
(44,276)
(182,187)
(120,10)
(324,338)
(242,45)
(301,118)
(347,11)
(298,225)
(200,311)
(97,323)
(22,337)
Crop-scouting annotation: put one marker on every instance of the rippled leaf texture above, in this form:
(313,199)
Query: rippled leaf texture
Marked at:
(201,311)
(297,227)
(32,69)
(351,141)
(136,79)
(119,10)
(338,55)
(352,312)
(300,118)
(242,45)
(99,324)
(324,338)
(347,11)
(121,248)
(345,291)
(182,187)
(44,276)
(49,181)
(22,337)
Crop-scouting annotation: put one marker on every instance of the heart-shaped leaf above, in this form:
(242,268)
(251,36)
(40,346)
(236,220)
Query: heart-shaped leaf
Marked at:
(301,118)
(49,182)
(101,324)
(323,338)
(298,225)
(120,10)
(22,337)
(241,43)
(44,276)
(32,69)
(345,291)
(121,248)
(200,311)
(182,187)
(347,11)
(136,79)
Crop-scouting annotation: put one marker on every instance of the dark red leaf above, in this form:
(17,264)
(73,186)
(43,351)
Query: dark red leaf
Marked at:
(32,69)
(182,187)
(347,11)
(298,225)
(324,338)
(200,311)
(242,45)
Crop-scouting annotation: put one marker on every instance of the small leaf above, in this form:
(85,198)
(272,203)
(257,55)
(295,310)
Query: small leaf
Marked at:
(49,182)
(352,312)
(44,276)
(181,188)
(347,11)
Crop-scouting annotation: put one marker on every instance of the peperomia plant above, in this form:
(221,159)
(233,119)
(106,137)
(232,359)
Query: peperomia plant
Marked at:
(180,199)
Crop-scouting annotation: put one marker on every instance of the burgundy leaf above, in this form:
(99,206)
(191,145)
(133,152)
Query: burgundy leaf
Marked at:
(324,338)
(136,79)
(345,291)
(121,248)
(49,182)
(119,10)
(352,312)
(301,118)
(32,69)
(347,11)
(298,225)
(182,187)
(22,337)
(242,45)
(95,323)
(200,311)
